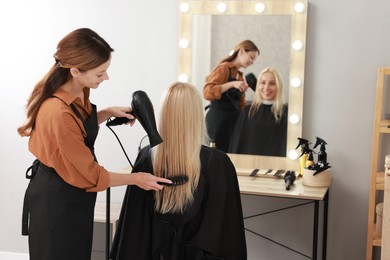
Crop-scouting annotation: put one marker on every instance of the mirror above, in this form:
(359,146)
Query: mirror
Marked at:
(288,56)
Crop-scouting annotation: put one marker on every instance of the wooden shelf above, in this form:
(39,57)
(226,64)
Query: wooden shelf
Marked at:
(377,183)
(380,181)
(377,239)
(384,126)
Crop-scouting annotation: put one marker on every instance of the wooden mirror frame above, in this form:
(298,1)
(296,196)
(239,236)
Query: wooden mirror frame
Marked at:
(297,9)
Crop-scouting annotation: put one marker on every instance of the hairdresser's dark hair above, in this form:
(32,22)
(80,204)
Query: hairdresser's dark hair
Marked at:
(247,45)
(83,49)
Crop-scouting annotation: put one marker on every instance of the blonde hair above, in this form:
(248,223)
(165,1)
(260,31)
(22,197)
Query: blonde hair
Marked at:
(277,106)
(183,130)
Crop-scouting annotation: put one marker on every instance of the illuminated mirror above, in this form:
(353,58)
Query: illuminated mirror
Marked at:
(202,23)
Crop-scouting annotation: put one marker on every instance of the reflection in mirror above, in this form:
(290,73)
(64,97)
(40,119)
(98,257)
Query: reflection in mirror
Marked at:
(213,37)
(261,128)
(203,39)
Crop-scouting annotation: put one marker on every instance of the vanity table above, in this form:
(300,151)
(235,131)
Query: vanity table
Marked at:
(275,187)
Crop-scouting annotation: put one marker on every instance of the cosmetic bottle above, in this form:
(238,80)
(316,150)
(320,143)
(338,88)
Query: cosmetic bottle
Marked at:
(322,155)
(304,144)
(310,159)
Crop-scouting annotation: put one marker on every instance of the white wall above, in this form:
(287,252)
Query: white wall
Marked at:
(347,41)
(144,36)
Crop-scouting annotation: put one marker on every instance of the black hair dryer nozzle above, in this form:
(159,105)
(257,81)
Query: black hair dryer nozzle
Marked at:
(144,112)
(289,179)
(251,80)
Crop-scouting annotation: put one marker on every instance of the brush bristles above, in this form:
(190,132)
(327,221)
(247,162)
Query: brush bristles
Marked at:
(176,180)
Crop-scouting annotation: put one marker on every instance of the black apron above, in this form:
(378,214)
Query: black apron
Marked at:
(221,118)
(58,217)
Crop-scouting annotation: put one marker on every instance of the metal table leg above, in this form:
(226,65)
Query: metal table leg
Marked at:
(325,226)
(315,229)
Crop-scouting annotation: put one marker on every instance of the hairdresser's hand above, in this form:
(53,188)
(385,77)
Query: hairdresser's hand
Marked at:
(148,181)
(242,86)
(107,113)
(123,112)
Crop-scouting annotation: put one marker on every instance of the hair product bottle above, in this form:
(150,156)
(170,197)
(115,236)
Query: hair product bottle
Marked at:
(304,144)
(322,155)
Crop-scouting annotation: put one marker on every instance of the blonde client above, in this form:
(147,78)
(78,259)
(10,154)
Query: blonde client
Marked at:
(201,219)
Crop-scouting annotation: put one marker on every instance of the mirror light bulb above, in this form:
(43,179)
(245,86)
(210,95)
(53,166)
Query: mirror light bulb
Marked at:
(297,45)
(185,7)
(294,119)
(260,7)
(293,155)
(184,43)
(296,82)
(221,7)
(183,78)
(299,7)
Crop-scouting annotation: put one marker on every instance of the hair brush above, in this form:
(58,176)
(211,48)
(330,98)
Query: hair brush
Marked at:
(176,180)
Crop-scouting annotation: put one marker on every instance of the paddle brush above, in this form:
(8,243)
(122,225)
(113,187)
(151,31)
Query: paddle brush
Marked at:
(176,180)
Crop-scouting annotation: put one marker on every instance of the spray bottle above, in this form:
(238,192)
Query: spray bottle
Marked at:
(310,158)
(322,155)
(304,155)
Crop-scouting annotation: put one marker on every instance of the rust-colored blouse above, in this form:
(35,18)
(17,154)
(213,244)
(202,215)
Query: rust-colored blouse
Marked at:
(58,142)
(218,77)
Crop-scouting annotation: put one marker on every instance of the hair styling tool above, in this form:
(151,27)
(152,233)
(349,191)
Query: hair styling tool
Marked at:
(251,80)
(144,112)
(119,120)
(289,179)
(254,172)
(320,167)
(176,180)
(279,173)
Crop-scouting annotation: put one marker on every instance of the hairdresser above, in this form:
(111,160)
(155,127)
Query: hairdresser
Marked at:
(225,89)
(62,125)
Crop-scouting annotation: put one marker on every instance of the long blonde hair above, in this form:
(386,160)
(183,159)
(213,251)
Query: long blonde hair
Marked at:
(183,130)
(277,106)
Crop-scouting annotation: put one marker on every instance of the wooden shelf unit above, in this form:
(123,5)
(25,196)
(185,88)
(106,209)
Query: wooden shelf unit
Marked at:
(381,126)
(385,252)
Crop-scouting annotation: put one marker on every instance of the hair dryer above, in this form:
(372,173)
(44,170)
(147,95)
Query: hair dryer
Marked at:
(251,80)
(289,179)
(144,112)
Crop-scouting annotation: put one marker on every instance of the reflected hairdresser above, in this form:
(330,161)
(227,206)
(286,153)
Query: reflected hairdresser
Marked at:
(225,89)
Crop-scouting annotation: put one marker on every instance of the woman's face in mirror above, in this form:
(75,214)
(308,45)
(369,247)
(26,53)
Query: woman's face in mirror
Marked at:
(246,58)
(267,86)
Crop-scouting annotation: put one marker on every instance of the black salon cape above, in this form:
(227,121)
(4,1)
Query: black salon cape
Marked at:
(212,228)
(260,135)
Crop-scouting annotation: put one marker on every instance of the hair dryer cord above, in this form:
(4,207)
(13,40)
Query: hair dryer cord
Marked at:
(123,149)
